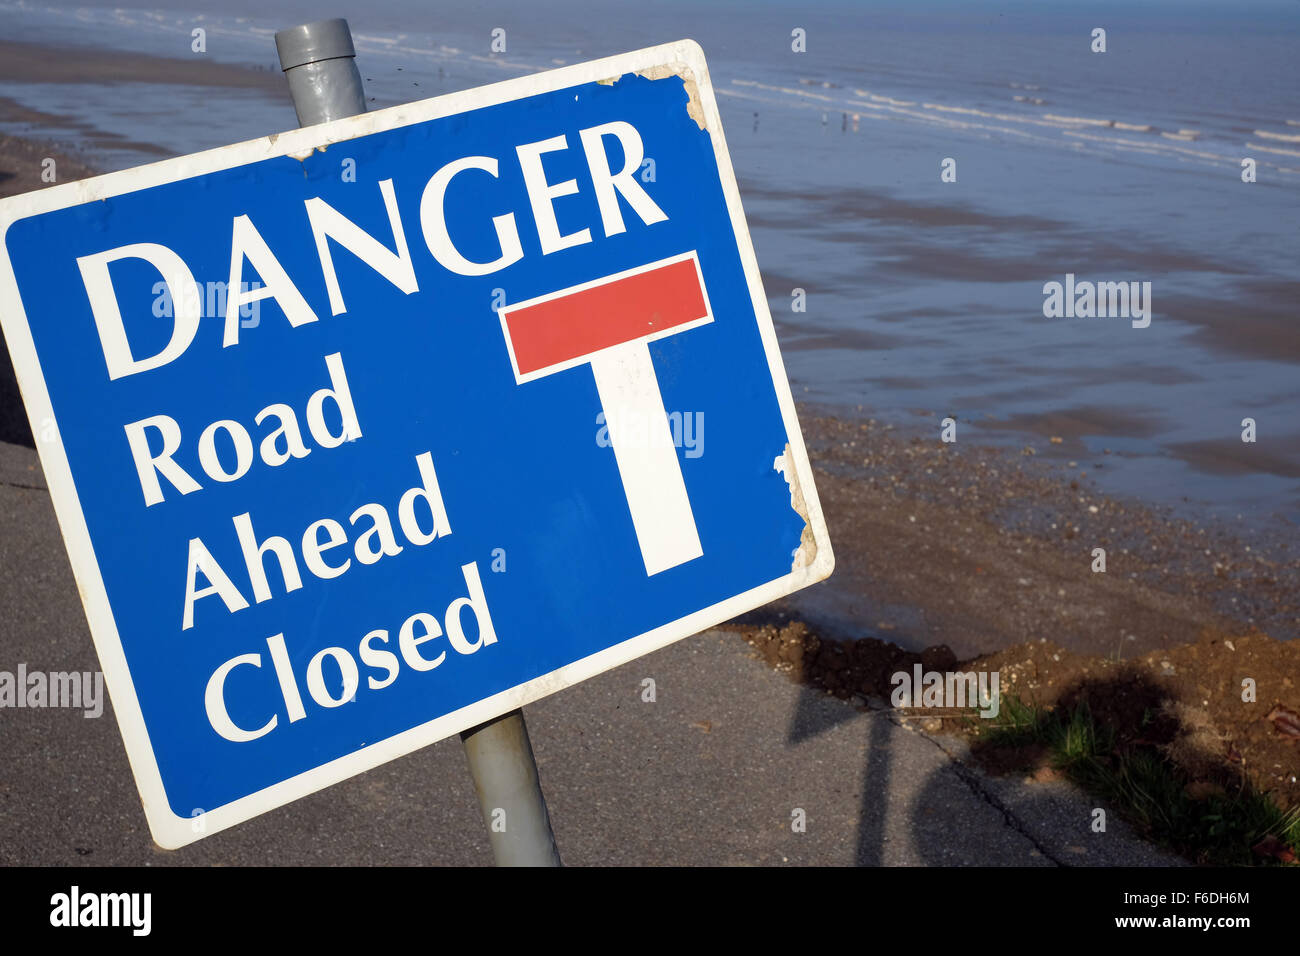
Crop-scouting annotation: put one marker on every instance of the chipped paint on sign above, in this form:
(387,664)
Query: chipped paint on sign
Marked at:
(806,553)
(683,72)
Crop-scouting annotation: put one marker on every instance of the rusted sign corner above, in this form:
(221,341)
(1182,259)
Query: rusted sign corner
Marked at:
(693,107)
(806,553)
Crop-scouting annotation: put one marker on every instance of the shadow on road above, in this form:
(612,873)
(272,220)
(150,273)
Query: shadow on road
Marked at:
(14,427)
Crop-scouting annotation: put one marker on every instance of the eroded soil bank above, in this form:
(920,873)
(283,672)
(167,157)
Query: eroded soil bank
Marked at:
(966,558)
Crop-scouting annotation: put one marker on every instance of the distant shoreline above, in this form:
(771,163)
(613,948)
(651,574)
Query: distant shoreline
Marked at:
(22,63)
(39,63)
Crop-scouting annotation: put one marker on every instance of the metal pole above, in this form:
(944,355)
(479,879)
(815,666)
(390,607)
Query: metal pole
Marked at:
(509,794)
(319,62)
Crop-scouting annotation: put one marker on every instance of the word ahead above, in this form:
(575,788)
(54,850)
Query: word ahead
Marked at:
(438,479)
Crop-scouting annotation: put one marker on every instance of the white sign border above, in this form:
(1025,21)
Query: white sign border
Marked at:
(171,831)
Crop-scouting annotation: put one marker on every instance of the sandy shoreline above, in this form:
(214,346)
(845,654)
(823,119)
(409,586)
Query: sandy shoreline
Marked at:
(22,162)
(980,548)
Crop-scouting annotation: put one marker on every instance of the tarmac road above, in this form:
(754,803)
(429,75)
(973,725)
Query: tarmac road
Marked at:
(711,773)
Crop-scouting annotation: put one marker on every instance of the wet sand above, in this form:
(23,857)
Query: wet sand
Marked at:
(86,135)
(1222,347)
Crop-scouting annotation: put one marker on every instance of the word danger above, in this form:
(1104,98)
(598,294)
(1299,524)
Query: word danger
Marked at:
(395,264)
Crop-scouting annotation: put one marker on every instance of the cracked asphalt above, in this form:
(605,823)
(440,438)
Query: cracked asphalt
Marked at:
(714,771)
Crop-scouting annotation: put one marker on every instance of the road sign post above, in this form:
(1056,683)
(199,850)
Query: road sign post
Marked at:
(510,797)
(319,61)
(419,456)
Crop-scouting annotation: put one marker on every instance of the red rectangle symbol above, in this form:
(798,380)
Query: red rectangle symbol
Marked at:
(570,325)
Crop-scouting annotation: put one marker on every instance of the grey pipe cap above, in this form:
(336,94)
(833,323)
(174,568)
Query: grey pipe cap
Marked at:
(313,42)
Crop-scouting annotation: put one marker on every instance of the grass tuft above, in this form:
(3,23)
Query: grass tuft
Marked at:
(1218,827)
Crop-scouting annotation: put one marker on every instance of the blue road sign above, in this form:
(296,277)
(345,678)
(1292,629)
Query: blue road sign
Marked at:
(363,434)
